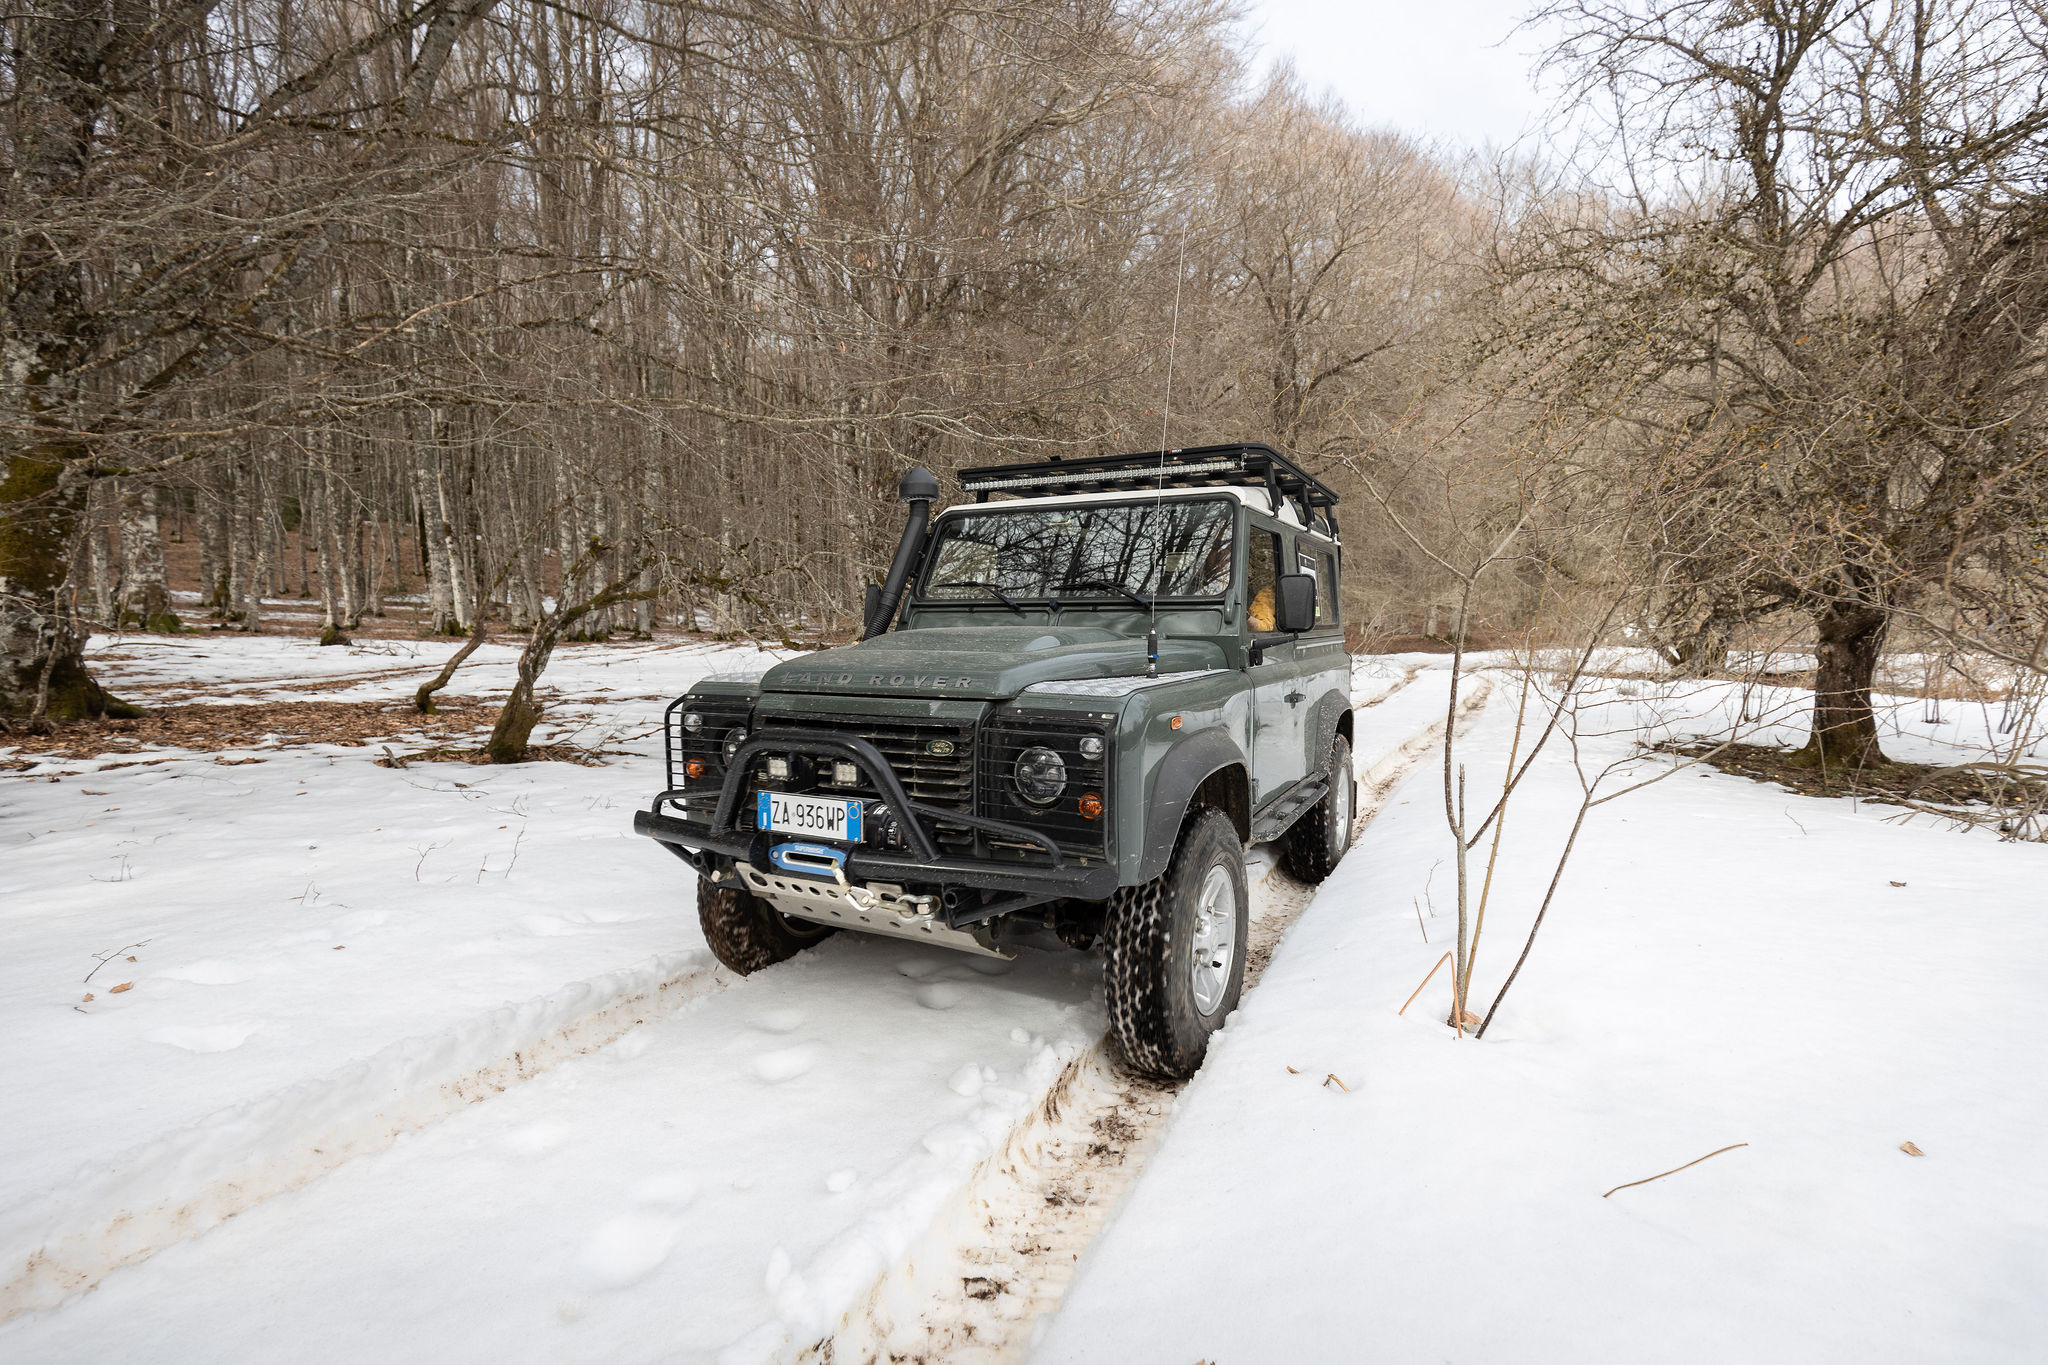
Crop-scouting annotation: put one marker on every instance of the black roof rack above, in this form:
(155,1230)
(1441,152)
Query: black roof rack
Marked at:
(1237,465)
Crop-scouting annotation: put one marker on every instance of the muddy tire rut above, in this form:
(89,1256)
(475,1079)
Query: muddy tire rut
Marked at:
(997,1264)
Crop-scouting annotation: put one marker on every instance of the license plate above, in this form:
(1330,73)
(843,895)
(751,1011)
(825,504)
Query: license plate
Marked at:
(818,816)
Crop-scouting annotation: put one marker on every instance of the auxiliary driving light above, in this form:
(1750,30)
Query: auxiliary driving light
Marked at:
(845,774)
(778,768)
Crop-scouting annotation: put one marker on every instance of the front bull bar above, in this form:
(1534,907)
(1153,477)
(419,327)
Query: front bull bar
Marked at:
(925,861)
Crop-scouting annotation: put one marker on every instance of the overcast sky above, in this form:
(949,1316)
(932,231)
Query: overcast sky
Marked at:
(1446,69)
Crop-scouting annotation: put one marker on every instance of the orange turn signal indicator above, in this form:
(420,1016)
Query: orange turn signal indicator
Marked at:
(1091,805)
(1173,724)
(696,767)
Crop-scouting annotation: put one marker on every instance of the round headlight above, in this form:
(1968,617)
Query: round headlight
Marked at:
(1091,746)
(693,722)
(1041,776)
(733,740)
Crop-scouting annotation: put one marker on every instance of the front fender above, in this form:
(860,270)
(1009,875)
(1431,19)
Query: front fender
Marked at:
(1186,766)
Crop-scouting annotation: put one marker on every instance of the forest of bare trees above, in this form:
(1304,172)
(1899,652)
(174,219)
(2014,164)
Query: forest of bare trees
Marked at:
(442,298)
(591,319)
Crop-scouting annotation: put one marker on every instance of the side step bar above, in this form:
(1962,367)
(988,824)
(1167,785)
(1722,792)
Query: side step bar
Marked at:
(1295,802)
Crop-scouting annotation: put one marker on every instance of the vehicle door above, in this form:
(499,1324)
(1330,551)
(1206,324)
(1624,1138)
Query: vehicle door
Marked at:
(1320,652)
(1280,701)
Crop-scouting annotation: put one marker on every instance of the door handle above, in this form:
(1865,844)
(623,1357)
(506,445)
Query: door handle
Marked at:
(1295,698)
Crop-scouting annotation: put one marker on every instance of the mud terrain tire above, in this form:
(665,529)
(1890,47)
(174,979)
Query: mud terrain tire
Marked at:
(746,933)
(1311,847)
(1162,1008)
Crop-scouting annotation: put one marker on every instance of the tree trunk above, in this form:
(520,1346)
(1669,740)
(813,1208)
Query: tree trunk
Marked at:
(397,534)
(1844,726)
(517,575)
(372,598)
(440,588)
(99,573)
(304,528)
(423,698)
(321,523)
(249,548)
(274,546)
(234,491)
(459,575)
(364,569)
(1704,649)
(334,502)
(41,655)
(145,596)
(214,554)
(521,713)
(45,337)
(650,578)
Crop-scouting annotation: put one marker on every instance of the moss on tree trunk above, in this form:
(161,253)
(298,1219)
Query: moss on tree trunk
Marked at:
(38,648)
(514,729)
(521,712)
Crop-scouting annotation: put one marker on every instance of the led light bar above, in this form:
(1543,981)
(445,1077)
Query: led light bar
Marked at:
(1231,465)
(1078,476)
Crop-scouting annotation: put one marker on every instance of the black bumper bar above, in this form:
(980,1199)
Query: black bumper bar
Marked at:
(923,861)
(1083,883)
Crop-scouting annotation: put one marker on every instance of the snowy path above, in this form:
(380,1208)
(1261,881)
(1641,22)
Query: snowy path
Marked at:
(723,1181)
(728,1177)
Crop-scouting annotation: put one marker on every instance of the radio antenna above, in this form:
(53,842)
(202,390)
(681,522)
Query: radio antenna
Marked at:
(1159,491)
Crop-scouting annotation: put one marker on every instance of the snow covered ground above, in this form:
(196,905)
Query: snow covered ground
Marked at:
(335,960)
(1725,963)
(430,1063)
(314,952)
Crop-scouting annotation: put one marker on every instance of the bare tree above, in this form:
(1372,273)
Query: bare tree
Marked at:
(179,176)
(1823,299)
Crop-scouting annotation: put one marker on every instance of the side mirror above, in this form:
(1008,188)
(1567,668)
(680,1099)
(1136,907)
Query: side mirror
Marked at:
(1297,603)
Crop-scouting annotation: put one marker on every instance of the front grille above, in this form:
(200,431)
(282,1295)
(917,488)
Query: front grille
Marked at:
(935,779)
(1009,734)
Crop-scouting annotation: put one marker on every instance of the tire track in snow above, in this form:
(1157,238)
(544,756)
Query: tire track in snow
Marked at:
(188,1180)
(1413,672)
(1088,1137)
(1000,1259)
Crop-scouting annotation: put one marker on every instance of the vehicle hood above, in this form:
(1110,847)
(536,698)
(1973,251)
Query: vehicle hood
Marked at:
(985,662)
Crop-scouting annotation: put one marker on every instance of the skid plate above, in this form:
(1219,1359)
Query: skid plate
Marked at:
(894,915)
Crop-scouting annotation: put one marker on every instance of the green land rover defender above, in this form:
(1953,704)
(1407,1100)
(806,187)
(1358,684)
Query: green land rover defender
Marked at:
(1070,712)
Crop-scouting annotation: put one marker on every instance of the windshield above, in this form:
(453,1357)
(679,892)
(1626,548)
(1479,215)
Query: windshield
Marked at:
(1109,550)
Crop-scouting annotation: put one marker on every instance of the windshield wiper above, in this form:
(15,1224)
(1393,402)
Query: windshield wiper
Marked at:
(991,589)
(1144,602)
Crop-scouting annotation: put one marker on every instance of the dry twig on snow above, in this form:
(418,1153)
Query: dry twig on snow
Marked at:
(1676,1169)
(1425,981)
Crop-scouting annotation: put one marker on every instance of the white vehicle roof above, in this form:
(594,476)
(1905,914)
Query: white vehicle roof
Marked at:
(1254,498)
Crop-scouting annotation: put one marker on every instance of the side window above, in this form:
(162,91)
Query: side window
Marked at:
(1322,568)
(1261,554)
(1308,562)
